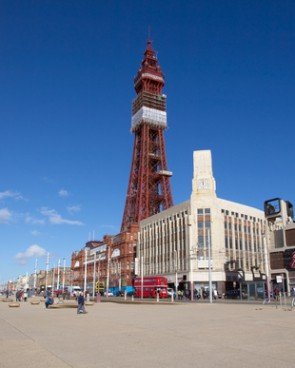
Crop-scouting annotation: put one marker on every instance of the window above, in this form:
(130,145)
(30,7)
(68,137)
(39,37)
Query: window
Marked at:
(272,207)
(277,260)
(230,243)
(201,241)
(226,242)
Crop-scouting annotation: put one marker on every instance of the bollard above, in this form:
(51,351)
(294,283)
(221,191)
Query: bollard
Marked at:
(98,298)
(125,295)
(132,298)
(172,298)
(157,297)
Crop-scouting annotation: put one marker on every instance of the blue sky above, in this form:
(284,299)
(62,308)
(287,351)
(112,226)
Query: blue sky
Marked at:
(66,87)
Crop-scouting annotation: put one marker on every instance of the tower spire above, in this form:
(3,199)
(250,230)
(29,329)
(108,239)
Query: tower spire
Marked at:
(149,34)
(149,76)
(149,189)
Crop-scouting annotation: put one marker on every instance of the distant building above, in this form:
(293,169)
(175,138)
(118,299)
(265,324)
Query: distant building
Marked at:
(177,242)
(108,263)
(281,243)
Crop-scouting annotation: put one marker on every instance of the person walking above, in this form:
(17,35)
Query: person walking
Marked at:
(48,300)
(215,294)
(180,294)
(293,297)
(25,295)
(276,293)
(81,304)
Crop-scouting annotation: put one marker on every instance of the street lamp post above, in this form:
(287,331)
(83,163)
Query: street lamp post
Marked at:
(58,276)
(35,275)
(98,275)
(267,271)
(53,277)
(85,271)
(94,275)
(119,275)
(64,275)
(192,257)
(176,269)
(47,269)
(141,272)
(209,265)
(108,271)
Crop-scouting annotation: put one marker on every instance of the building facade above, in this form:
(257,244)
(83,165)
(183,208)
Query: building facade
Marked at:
(281,243)
(183,241)
(106,264)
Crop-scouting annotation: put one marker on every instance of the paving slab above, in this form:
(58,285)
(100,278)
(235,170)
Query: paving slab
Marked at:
(147,335)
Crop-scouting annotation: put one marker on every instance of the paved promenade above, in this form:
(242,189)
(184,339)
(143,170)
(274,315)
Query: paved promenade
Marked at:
(144,336)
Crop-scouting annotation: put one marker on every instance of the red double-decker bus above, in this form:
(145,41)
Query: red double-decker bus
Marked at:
(150,286)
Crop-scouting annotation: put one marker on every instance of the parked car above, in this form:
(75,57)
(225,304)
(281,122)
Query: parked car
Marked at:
(73,290)
(108,293)
(122,293)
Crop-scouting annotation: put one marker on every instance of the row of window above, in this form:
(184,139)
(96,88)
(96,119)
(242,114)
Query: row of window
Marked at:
(237,215)
(239,227)
(165,221)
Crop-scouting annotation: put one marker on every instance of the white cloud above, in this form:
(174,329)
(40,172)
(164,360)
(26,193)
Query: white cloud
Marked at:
(33,251)
(56,219)
(10,194)
(73,209)
(63,193)
(33,220)
(5,215)
(35,232)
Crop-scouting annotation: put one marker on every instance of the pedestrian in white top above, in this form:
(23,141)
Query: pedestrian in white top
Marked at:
(25,296)
(215,294)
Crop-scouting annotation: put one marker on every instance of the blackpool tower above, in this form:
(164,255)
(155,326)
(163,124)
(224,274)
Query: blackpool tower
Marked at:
(149,189)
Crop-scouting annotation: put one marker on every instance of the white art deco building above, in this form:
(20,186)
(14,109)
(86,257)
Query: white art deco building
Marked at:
(181,242)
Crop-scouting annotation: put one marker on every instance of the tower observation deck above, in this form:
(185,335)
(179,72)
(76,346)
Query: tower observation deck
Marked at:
(149,189)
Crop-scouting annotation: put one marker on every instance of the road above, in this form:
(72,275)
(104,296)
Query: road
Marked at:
(147,335)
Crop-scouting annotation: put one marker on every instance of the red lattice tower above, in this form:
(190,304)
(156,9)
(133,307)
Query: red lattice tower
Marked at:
(149,189)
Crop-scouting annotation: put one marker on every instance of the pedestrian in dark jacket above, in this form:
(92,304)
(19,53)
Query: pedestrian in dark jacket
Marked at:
(48,301)
(81,304)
